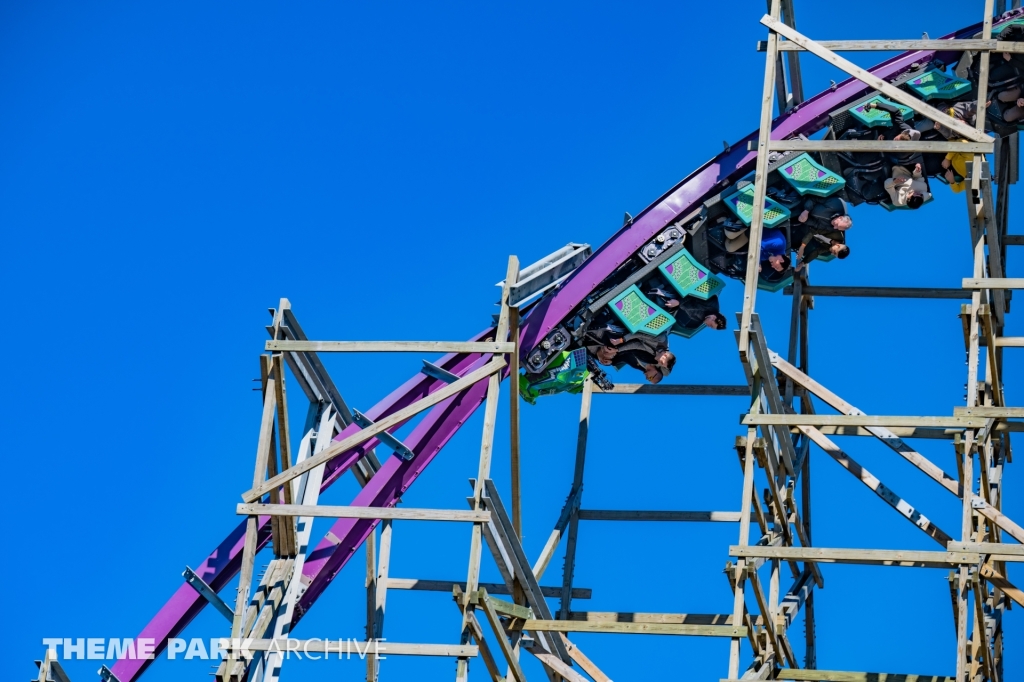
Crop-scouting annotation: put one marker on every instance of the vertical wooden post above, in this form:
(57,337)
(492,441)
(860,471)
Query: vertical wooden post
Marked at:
(739,572)
(380,597)
(513,413)
(760,184)
(976,207)
(574,518)
(484,468)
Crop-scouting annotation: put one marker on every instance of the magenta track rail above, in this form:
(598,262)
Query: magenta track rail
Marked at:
(445,419)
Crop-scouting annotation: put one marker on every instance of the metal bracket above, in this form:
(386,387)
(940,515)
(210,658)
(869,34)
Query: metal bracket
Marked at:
(546,273)
(208,593)
(384,437)
(432,370)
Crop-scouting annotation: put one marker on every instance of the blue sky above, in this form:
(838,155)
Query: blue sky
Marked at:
(169,172)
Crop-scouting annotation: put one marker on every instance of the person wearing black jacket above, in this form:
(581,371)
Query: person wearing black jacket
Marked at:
(690,312)
(825,215)
(649,354)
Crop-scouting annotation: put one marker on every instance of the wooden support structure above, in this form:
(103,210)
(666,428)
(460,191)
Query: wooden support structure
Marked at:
(502,620)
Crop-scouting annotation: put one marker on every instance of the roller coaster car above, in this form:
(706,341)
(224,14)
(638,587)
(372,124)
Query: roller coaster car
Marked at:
(566,373)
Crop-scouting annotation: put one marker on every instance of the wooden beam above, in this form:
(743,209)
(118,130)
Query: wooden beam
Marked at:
(513,415)
(858,420)
(569,564)
(363,512)
(499,634)
(631,617)
(866,77)
(1010,341)
(880,146)
(1014,240)
(1001,548)
(841,676)
(764,133)
(633,628)
(990,411)
(883,292)
(494,588)
(395,419)
(966,44)
(355,646)
(677,389)
(390,346)
(880,557)
(631,515)
(993,283)
(582,661)
(557,666)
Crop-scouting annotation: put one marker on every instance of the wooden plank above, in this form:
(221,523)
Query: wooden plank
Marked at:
(533,625)
(993,283)
(417,584)
(513,414)
(990,411)
(841,676)
(390,346)
(882,557)
(285,526)
(355,647)
(771,390)
(344,512)
(764,133)
(965,44)
(499,634)
(1010,341)
(501,606)
(866,77)
(583,661)
(395,419)
(571,505)
(1013,240)
(858,420)
(925,146)
(1001,548)
(577,484)
(631,617)
(556,665)
(883,292)
(631,515)
(677,389)
(523,574)
(996,577)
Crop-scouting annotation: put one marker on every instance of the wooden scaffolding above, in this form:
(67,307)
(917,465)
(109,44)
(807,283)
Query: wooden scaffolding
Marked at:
(780,426)
(781,404)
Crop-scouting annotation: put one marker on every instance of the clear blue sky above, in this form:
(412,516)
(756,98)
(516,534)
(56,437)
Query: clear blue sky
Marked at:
(168,172)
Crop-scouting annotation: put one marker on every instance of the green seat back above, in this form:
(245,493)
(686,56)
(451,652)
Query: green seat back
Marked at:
(764,285)
(809,177)
(996,30)
(639,313)
(878,117)
(741,203)
(686,332)
(689,277)
(566,373)
(937,85)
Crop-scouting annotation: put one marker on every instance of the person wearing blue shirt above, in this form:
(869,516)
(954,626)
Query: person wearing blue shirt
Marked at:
(774,250)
